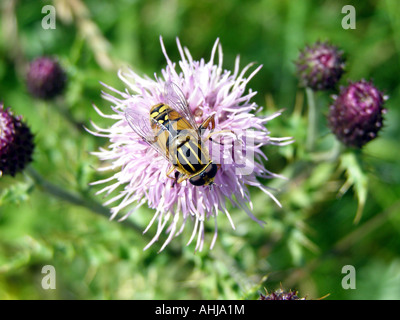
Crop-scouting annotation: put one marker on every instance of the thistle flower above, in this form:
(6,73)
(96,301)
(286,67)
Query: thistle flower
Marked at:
(45,78)
(356,115)
(142,171)
(16,143)
(320,66)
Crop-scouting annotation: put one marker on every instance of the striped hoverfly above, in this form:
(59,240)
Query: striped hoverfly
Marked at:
(171,130)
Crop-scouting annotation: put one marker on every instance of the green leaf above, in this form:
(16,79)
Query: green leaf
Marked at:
(356,178)
(16,193)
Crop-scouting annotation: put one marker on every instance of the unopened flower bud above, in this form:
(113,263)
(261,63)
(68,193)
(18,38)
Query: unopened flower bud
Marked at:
(16,143)
(356,116)
(45,78)
(280,294)
(320,66)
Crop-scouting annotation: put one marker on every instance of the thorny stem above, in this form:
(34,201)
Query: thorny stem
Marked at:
(312,120)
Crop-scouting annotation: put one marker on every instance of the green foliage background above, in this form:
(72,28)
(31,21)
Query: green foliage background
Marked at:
(303,246)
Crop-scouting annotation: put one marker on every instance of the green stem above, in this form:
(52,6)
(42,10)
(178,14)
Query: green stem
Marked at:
(63,110)
(92,205)
(247,286)
(70,197)
(312,120)
(331,155)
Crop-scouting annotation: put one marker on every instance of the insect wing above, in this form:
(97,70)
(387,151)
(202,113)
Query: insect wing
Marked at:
(141,125)
(177,101)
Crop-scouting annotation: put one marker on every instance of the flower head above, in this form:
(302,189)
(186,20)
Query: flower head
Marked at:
(356,115)
(45,78)
(16,143)
(142,170)
(320,66)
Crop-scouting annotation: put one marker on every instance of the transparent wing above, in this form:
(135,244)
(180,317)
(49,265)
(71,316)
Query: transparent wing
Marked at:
(177,101)
(141,125)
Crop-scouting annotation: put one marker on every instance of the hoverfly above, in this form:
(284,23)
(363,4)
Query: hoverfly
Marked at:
(172,131)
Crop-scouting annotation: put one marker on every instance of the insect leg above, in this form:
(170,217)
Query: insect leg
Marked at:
(170,171)
(183,178)
(216,132)
(179,176)
(206,122)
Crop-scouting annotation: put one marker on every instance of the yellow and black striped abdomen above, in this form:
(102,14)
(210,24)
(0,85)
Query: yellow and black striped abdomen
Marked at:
(160,112)
(177,138)
(169,118)
(191,156)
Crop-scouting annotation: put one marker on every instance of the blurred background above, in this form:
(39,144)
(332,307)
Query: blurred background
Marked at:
(303,246)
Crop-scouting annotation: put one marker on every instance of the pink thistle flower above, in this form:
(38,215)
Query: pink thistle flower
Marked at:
(142,171)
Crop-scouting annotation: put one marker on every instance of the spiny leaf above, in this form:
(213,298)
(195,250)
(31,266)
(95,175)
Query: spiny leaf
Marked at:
(356,178)
(16,193)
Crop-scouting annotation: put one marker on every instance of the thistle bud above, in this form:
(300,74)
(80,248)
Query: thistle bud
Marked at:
(356,116)
(320,66)
(16,143)
(280,294)
(45,78)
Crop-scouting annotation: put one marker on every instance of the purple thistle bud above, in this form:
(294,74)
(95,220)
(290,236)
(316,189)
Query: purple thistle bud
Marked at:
(280,294)
(320,66)
(356,116)
(45,78)
(16,143)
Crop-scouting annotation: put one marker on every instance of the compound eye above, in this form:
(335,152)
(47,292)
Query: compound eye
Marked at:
(197,180)
(211,170)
